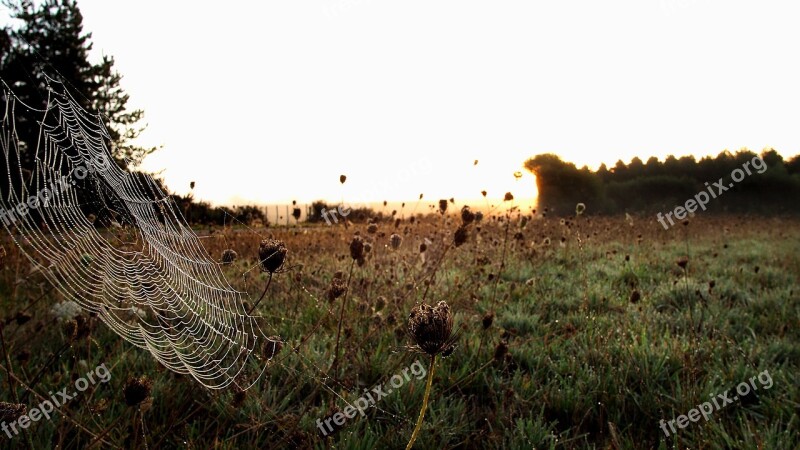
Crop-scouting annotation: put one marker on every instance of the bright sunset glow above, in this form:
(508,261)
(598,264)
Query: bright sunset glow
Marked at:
(270,102)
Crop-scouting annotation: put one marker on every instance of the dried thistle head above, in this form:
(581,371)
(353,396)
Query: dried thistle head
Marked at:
(395,240)
(357,248)
(337,288)
(508,197)
(461,235)
(228,257)
(501,351)
(431,328)
(682,262)
(272,254)
(372,228)
(273,347)
(467,216)
(442,206)
(137,390)
(10,412)
(487,321)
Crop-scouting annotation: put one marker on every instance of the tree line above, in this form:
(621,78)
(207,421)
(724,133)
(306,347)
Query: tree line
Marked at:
(655,185)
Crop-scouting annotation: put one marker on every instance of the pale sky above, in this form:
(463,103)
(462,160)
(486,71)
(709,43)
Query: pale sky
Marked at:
(271,101)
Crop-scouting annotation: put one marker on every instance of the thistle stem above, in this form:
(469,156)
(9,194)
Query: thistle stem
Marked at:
(252,308)
(424,404)
(341,318)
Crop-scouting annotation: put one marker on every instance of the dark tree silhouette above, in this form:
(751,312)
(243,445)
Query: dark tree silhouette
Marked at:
(48,41)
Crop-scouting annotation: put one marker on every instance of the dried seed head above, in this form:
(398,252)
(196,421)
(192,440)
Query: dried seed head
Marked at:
(422,247)
(337,288)
(508,197)
(372,228)
(580,208)
(682,262)
(273,347)
(461,235)
(431,327)
(501,351)
(271,254)
(635,296)
(10,412)
(380,303)
(239,396)
(137,390)
(228,257)
(23,356)
(488,319)
(357,248)
(395,240)
(467,216)
(77,328)
(22,318)
(442,206)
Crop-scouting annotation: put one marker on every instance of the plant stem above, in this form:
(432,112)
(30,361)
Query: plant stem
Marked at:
(341,317)
(424,404)
(252,308)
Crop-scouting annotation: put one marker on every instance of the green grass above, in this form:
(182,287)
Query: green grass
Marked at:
(586,368)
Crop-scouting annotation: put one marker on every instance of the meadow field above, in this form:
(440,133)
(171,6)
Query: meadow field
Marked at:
(573,332)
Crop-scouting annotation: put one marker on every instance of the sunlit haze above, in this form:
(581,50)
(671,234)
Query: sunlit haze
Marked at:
(271,101)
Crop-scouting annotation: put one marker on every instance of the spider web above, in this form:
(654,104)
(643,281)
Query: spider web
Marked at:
(136,264)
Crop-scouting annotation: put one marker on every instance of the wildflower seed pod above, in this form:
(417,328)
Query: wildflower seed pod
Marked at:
(461,235)
(336,289)
(357,248)
(137,390)
(228,257)
(467,216)
(271,254)
(487,321)
(501,351)
(273,347)
(431,327)
(10,412)
(395,240)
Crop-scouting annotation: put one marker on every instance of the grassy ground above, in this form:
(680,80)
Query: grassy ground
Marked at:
(582,334)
